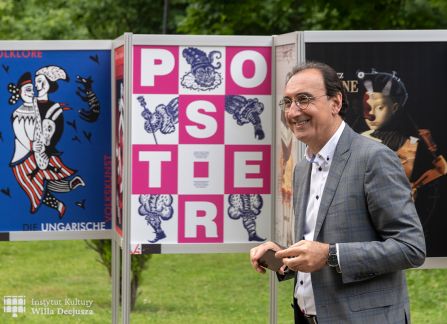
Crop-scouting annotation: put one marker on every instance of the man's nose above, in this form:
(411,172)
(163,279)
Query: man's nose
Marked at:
(294,109)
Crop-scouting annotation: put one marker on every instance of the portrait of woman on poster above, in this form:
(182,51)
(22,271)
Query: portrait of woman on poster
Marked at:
(385,119)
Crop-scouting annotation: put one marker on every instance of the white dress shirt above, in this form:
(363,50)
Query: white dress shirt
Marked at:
(321,162)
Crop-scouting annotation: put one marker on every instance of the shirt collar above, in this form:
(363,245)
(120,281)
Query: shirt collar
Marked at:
(327,152)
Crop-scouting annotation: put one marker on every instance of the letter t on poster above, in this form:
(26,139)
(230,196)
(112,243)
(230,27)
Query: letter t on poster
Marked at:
(154,169)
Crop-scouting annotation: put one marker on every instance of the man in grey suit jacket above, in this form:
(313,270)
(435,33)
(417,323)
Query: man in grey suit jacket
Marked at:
(356,224)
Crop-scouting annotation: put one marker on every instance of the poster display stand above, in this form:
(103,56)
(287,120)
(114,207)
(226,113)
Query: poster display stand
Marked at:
(194,127)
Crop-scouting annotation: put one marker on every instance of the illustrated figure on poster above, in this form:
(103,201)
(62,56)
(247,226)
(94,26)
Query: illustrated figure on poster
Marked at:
(86,93)
(38,125)
(247,207)
(119,150)
(163,119)
(203,75)
(156,208)
(287,162)
(384,100)
(246,111)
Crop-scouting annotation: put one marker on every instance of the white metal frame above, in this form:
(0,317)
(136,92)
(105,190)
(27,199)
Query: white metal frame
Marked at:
(371,36)
(116,239)
(177,40)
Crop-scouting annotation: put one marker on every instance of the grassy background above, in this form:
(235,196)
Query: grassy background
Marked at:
(192,288)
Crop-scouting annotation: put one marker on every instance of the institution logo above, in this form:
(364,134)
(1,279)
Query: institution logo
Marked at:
(14,304)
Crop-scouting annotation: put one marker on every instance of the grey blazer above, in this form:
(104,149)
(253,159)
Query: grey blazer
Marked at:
(367,209)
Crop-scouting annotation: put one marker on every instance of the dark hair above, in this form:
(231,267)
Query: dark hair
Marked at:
(332,82)
(53,85)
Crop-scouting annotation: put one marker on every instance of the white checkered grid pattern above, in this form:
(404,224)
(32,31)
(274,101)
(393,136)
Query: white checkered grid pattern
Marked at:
(14,304)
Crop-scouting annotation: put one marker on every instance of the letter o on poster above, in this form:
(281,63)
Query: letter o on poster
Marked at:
(239,70)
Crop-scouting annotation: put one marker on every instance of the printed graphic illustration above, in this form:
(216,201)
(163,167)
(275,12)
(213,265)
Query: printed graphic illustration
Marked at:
(6,191)
(385,95)
(163,119)
(156,208)
(386,120)
(38,126)
(87,135)
(72,124)
(5,68)
(94,58)
(286,58)
(247,207)
(203,75)
(86,93)
(246,111)
(119,154)
(80,204)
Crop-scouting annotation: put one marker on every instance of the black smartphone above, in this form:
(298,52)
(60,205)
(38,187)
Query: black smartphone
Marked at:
(269,261)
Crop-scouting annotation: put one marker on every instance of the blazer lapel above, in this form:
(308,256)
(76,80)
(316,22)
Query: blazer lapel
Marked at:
(341,155)
(302,183)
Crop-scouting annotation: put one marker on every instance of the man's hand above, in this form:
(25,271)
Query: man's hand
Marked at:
(257,252)
(305,256)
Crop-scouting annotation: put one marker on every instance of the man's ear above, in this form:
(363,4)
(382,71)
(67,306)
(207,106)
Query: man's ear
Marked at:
(337,101)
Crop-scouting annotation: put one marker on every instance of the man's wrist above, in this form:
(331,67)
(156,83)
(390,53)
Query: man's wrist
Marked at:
(332,259)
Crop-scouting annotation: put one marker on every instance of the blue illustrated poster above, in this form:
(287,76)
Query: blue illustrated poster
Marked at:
(55,140)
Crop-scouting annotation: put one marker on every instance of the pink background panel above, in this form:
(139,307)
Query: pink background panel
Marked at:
(201,169)
(263,166)
(199,233)
(202,120)
(248,71)
(141,170)
(165,80)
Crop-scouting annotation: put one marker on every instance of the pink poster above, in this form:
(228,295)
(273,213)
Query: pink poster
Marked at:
(201,144)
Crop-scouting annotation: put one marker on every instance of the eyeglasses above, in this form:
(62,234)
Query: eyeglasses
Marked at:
(301,101)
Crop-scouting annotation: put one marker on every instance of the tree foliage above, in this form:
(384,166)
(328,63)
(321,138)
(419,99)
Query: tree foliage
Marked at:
(250,17)
(108,19)
(85,19)
(269,17)
(33,19)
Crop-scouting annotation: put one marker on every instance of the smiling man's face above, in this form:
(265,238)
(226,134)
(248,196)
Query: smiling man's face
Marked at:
(318,122)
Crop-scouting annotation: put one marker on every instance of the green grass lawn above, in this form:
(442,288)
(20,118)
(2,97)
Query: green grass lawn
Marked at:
(193,288)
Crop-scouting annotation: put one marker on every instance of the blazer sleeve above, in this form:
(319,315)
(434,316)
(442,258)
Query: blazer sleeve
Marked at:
(393,215)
